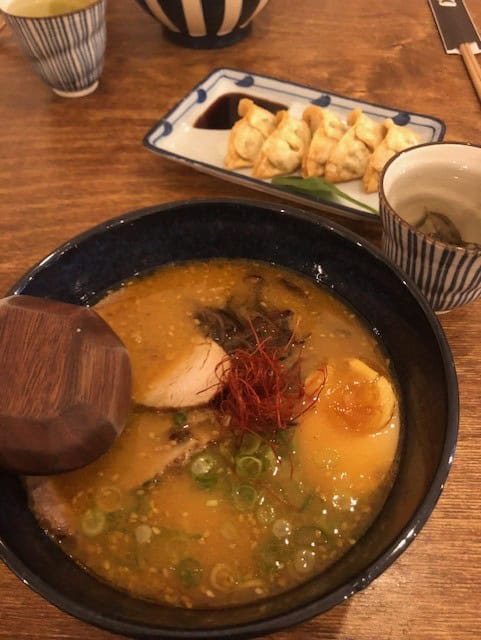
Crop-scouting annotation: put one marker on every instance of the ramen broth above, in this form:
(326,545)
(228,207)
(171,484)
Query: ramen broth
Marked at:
(194,507)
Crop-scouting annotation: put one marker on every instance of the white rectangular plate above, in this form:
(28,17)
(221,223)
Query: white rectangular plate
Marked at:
(176,138)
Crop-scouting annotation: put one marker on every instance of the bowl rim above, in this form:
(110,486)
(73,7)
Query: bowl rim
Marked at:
(389,210)
(315,607)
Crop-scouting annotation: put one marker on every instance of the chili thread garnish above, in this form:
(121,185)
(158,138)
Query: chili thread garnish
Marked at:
(263,391)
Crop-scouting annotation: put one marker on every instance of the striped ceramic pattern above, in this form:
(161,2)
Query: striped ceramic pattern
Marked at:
(448,276)
(67,51)
(199,18)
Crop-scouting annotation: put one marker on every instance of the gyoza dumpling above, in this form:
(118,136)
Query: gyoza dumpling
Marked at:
(348,159)
(248,134)
(396,139)
(284,149)
(367,129)
(326,129)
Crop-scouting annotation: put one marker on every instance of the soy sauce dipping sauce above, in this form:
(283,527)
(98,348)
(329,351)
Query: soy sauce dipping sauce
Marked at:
(222,114)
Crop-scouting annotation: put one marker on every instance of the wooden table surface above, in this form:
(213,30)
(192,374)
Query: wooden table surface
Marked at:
(66,165)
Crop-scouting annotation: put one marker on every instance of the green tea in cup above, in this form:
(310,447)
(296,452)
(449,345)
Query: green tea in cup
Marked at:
(45,8)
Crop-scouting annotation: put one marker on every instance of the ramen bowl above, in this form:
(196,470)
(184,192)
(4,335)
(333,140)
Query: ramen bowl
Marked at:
(330,256)
(211,24)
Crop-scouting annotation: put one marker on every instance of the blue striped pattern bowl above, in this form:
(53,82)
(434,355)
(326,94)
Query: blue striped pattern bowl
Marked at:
(444,178)
(67,50)
(204,24)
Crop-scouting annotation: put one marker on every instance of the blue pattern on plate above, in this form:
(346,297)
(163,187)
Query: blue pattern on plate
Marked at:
(225,80)
(294,91)
(165,128)
(322,101)
(247,81)
(201,95)
(402,119)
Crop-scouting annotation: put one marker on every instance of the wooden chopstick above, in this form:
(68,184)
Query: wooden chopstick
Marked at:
(472,66)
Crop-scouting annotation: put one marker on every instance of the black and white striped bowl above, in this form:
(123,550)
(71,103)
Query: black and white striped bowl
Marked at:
(204,24)
(448,275)
(67,51)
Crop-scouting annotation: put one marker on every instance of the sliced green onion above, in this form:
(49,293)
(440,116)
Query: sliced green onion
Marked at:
(248,467)
(304,561)
(269,458)
(281,528)
(204,469)
(250,444)
(306,502)
(93,522)
(189,572)
(202,465)
(272,554)
(207,482)
(207,468)
(309,537)
(245,497)
(180,419)
(222,578)
(265,514)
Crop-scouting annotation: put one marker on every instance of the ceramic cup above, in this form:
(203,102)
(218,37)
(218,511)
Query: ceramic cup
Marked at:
(444,178)
(204,24)
(66,50)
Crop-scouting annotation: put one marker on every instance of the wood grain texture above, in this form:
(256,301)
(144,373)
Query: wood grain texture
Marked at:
(65,389)
(67,165)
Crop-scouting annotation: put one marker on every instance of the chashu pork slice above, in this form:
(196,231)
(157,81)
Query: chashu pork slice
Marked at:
(152,443)
(191,381)
(50,507)
(149,445)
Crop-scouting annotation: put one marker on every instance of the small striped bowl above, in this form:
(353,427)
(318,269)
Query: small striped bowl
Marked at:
(448,275)
(204,24)
(67,51)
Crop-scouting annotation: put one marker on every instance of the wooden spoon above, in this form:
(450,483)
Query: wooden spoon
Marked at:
(65,385)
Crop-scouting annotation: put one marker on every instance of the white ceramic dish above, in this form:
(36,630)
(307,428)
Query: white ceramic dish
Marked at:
(176,138)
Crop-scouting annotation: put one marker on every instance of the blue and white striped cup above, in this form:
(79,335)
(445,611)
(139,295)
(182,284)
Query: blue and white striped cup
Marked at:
(67,50)
(444,177)
(204,24)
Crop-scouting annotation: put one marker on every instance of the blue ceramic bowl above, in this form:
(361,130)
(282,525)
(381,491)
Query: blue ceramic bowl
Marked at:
(204,24)
(80,271)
